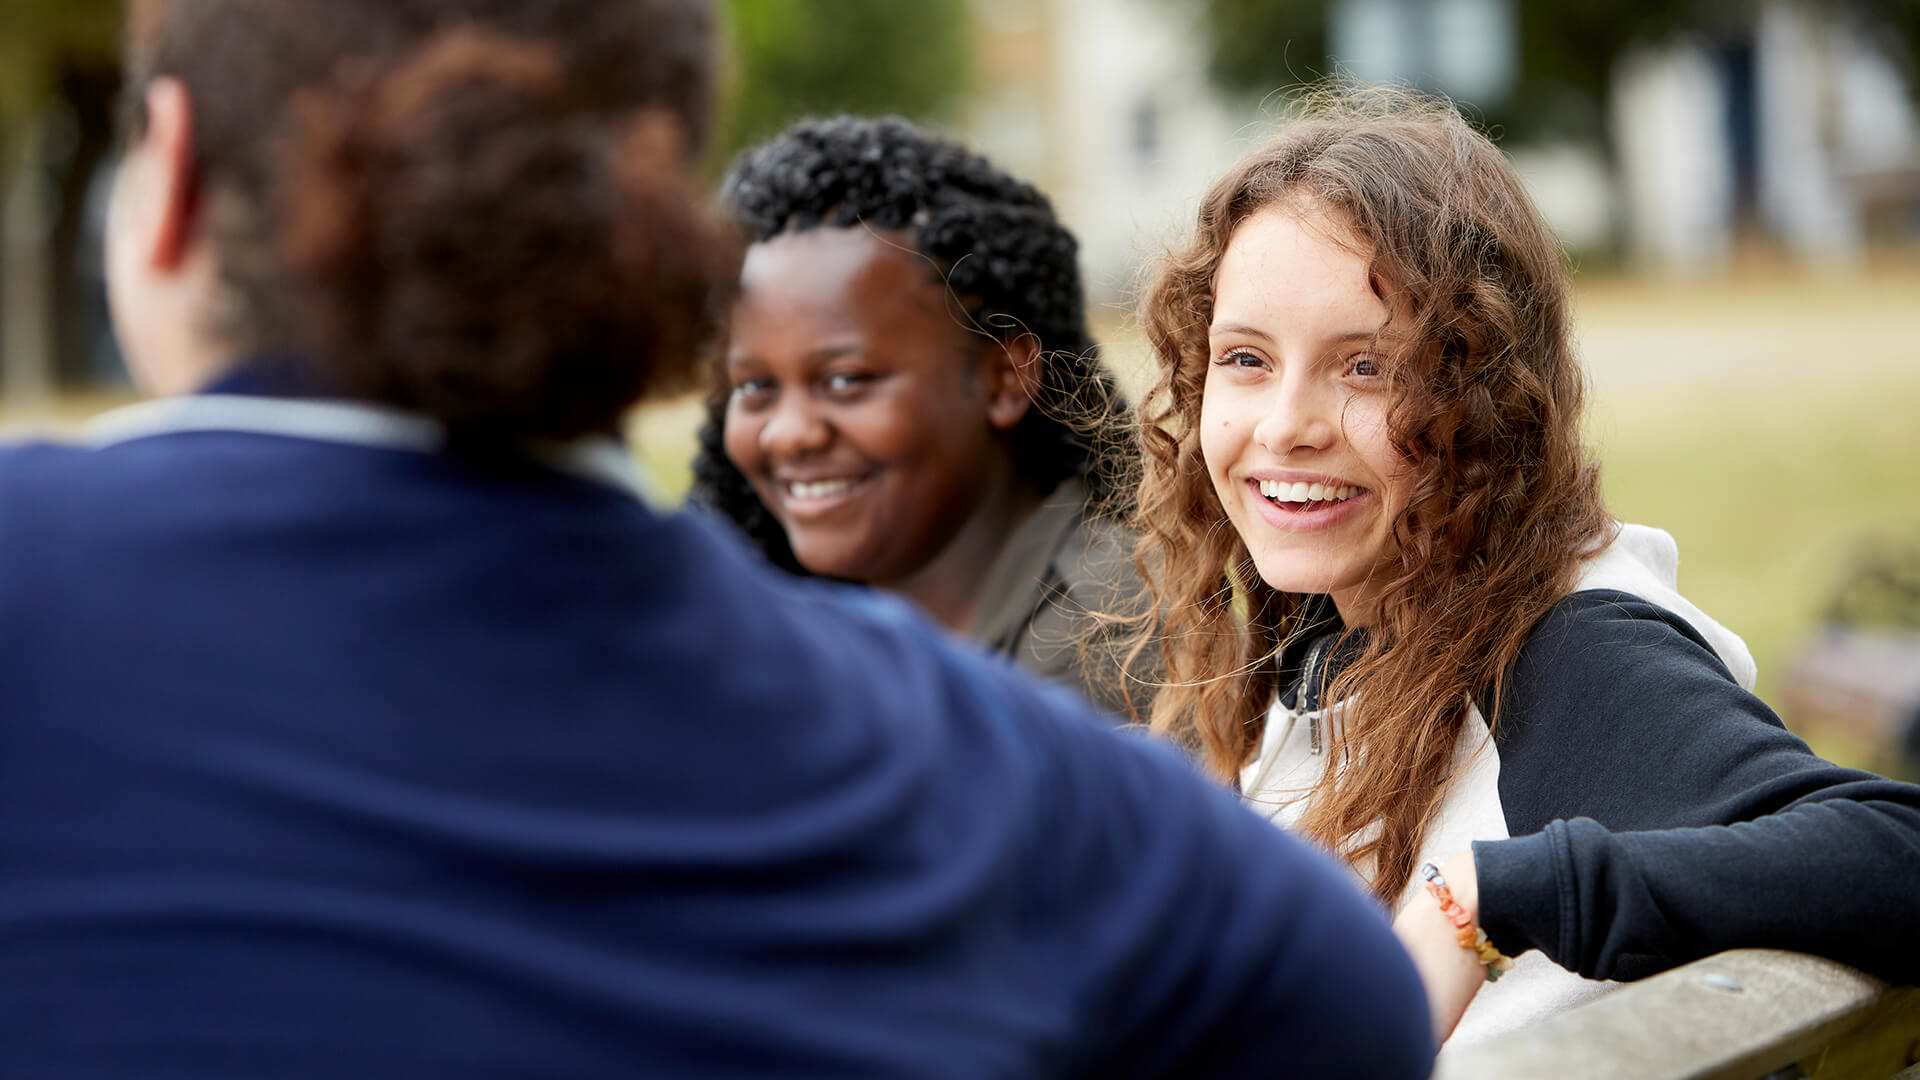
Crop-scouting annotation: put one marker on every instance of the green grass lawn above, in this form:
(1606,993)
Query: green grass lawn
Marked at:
(1770,491)
(1771,424)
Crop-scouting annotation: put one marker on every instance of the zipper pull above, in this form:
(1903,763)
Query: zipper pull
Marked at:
(1310,696)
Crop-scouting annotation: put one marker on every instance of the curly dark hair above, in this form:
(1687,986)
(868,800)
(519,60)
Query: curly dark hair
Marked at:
(473,209)
(998,247)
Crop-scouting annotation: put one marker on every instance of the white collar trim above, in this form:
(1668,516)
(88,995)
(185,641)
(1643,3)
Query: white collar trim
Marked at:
(601,459)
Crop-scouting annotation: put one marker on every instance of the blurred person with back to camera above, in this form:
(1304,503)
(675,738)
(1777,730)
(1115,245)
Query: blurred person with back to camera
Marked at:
(427,749)
(910,397)
(1397,615)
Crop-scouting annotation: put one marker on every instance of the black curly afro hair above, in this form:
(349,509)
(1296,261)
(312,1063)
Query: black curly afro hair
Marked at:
(1002,252)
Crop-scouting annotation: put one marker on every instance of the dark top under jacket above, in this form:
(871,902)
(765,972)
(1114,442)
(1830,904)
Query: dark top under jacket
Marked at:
(1660,813)
(326,757)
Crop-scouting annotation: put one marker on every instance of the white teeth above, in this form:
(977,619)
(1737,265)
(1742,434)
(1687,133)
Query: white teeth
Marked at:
(818,489)
(1281,491)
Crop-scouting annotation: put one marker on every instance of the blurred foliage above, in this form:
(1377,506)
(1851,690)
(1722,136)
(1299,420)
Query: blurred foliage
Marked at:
(795,58)
(1258,46)
(1567,49)
(39,38)
(790,57)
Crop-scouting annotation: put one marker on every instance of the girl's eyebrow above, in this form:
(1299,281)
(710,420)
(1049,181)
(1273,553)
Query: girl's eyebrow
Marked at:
(1218,329)
(834,351)
(1351,336)
(820,355)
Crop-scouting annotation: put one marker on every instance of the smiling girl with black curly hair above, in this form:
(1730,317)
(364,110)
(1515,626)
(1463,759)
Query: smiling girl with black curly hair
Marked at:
(910,397)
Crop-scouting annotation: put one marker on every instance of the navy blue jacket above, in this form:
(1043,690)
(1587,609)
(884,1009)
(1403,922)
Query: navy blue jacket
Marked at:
(323,753)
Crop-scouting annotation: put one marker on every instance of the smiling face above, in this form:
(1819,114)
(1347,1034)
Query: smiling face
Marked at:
(865,416)
(1294,413)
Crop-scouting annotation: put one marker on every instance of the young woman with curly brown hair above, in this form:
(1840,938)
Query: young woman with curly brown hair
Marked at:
(1393,609)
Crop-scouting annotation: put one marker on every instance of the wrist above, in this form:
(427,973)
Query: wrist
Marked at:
(1462,876)
(1455,891)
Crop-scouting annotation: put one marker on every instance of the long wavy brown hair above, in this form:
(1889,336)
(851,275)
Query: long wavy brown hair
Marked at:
(1486,403)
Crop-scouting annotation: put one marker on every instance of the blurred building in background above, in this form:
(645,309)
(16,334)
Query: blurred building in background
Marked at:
(1106,105)
(1784,127)
(1794,124)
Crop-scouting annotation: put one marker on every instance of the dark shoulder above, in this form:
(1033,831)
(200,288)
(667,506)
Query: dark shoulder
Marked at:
(1079,632)
(30,462)
(1617,709)
(1598,632)
(1094,564)
(42,483)
(1600,656)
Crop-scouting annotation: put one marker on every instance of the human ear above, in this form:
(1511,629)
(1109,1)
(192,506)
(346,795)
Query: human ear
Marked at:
(166,178)
(1012,378)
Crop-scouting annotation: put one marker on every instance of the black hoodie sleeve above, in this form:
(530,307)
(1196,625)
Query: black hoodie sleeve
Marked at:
(1660,813)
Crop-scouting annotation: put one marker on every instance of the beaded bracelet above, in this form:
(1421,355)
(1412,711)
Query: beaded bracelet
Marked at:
(1465,930)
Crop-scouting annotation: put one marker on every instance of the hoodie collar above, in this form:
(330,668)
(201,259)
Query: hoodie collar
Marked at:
(1321,641)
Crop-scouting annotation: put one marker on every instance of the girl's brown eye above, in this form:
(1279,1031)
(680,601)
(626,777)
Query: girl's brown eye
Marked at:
(841,382)
(750,391)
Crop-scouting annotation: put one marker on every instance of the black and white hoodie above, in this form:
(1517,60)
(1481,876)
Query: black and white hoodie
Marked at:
(1637,806)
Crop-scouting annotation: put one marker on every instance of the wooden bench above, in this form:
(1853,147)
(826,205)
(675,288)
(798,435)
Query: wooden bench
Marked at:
(1742,1015)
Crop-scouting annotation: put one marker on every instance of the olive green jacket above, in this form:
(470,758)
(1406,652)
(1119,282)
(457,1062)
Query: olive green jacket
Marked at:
(1036,603)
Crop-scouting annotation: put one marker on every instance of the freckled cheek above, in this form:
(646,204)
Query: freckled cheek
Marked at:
(1367,435)
(1215,434)
(1223,434)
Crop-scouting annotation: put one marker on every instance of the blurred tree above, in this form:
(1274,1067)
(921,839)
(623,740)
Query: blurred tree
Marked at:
(1255,47)
(38,38)
(59,73)
(795,58)
(791,57)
